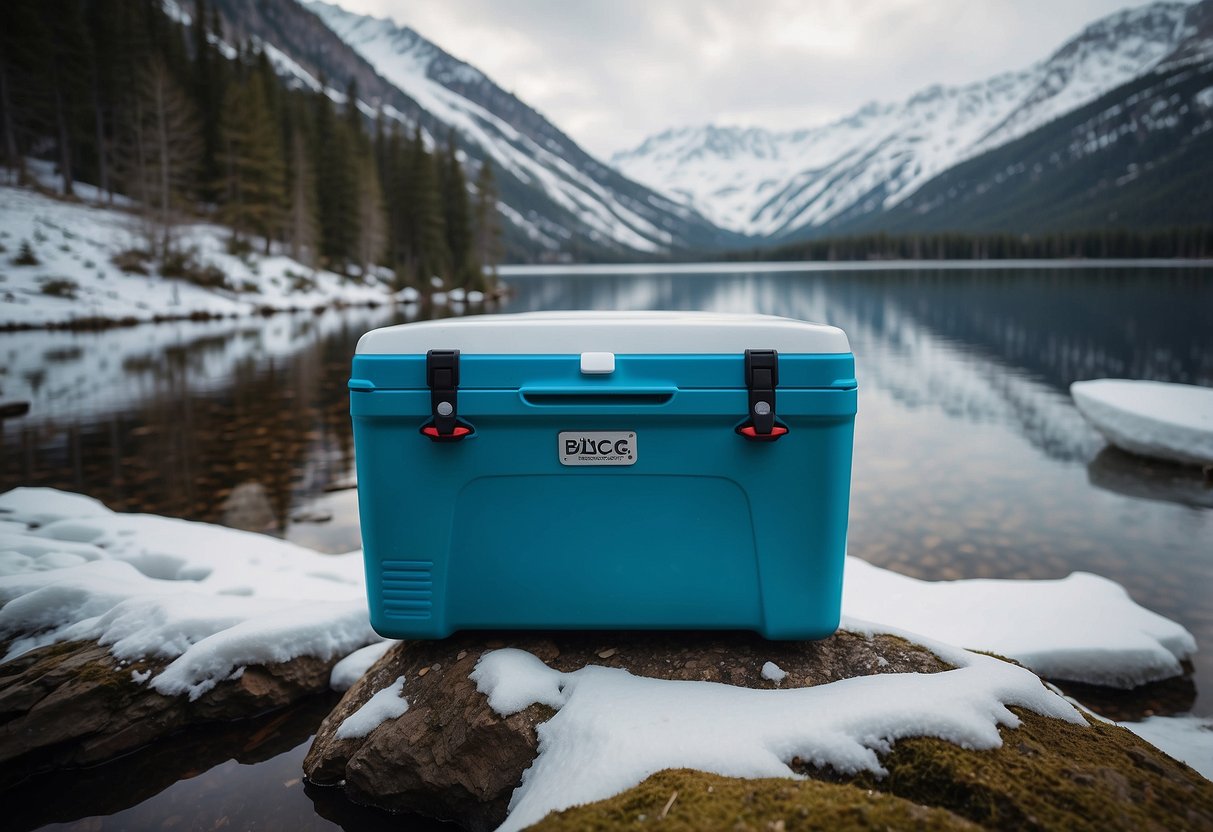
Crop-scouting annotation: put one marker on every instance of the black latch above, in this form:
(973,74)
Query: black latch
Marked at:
(761,379)
(442,377)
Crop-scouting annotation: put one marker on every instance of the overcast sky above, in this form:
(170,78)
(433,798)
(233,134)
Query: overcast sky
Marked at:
(611,72)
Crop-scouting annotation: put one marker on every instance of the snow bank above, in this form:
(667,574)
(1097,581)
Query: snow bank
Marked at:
(76,243)
(350,669)
(386,704)
(613,729)
(207,599)
(211,600)
(1152,418)
(1186,738)
(1083,628)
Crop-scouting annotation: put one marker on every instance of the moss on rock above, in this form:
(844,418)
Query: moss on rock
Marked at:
(1050,774)
(707,801)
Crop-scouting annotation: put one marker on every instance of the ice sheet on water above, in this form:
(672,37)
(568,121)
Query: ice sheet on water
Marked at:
(1153,418)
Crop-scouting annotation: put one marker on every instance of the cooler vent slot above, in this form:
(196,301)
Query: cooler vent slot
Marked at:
(408,588)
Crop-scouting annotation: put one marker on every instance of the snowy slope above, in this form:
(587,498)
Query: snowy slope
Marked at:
(75,276)
(555,198)
(766,183)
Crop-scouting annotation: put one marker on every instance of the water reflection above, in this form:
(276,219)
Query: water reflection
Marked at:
(228,421)
(970,459)
(1149,479)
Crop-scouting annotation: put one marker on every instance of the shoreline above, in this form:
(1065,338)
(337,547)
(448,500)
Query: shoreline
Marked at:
(724,267)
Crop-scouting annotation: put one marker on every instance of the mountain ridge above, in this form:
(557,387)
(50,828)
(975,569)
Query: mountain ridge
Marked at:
(783,184)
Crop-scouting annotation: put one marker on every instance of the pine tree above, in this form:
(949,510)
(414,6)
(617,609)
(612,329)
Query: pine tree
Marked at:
(253,192)
(488,225)
(301,220)
(424,212)
(457,215)
(371,232)
(336,185)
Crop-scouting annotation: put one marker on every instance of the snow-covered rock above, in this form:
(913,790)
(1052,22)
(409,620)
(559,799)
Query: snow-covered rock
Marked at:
(202,600)
(1150,418)
(613,729)
(573,722)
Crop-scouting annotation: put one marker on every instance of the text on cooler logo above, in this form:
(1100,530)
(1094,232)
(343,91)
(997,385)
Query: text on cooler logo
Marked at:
(589,447)
(602,447)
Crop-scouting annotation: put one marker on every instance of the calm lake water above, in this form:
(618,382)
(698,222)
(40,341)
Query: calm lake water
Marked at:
(970,461)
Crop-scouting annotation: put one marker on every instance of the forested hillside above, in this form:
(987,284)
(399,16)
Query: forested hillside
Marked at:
(181,122)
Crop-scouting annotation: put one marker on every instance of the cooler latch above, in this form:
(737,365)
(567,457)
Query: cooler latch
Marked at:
(442,377)
(761,379)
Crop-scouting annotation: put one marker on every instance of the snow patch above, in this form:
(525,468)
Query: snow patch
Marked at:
(386,704)
(613,729)
(352,668)
(1083,628)
(773,672)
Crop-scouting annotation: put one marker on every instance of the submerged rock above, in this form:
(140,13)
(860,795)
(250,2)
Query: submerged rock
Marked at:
(72,704)
(450,756)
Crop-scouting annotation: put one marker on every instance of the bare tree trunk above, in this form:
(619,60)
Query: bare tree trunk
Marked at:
(165,183)
(65,147)
(10,131)
(103,173)
(302,228)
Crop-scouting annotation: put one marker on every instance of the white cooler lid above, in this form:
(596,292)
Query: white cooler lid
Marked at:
(564,333)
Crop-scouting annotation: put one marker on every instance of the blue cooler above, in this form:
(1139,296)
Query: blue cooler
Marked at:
(581,470)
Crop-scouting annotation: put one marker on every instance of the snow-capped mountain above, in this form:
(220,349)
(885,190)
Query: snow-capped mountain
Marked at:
(556,199)
(775,184)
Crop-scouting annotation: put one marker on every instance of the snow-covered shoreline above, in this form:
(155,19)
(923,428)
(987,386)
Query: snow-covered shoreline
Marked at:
(203,603)
(75,282)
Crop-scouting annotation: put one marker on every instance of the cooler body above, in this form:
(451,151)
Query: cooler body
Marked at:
(581,497)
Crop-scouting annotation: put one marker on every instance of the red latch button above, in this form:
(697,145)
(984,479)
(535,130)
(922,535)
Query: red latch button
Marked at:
(432,432)
(750,432)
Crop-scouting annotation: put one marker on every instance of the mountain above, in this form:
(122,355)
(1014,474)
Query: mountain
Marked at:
(557,200)
(1138,157)
(860,170)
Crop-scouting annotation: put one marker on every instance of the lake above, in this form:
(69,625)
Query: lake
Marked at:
(970,459)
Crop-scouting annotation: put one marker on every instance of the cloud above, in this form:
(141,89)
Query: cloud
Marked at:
(611,73)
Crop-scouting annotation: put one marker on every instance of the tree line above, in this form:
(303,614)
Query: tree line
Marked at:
(1189,242)
(185,124)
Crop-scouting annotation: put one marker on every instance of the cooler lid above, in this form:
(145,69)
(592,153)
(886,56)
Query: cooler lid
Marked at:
(564,333)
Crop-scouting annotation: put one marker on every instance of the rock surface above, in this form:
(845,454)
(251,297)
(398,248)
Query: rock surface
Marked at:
(451,757)
(72,704)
